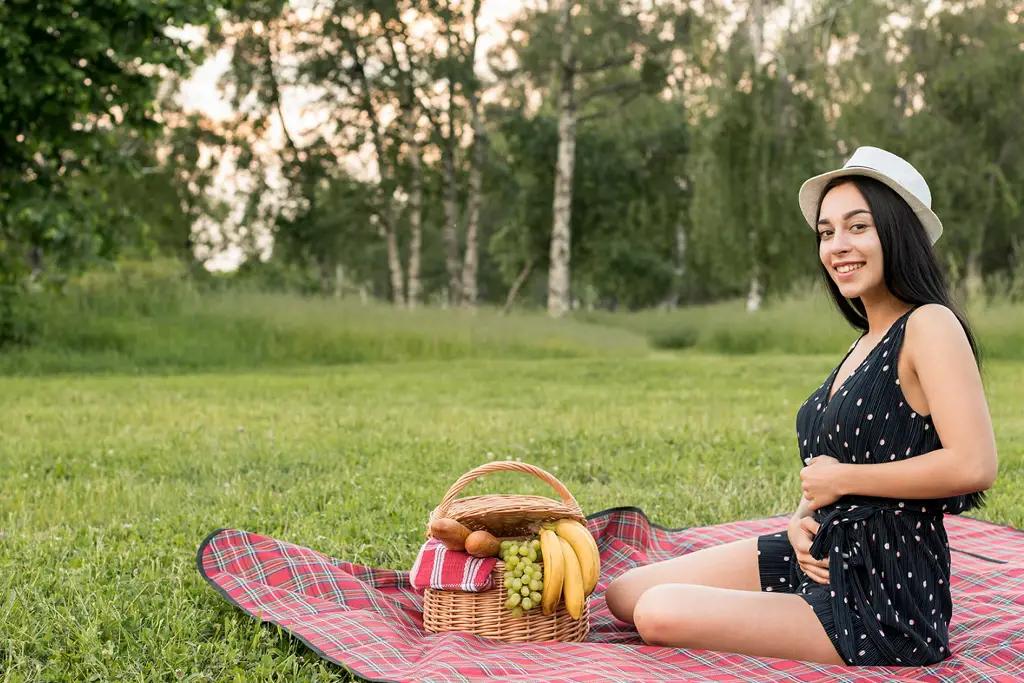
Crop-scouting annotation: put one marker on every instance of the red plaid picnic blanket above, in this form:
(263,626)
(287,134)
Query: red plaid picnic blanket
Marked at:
(370,621)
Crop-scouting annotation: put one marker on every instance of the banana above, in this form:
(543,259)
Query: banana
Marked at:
(585,547)
(572,586)
(554,570)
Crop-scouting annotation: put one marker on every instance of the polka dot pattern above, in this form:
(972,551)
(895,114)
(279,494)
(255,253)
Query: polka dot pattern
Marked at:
(867,539)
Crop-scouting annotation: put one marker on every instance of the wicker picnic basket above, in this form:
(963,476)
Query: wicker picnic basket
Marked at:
(506,517)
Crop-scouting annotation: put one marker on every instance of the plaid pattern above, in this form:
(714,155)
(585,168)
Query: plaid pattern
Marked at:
(370,620)
(443,569)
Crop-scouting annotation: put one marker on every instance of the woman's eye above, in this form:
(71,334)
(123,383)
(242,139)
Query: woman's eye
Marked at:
(825,233)
(858,225)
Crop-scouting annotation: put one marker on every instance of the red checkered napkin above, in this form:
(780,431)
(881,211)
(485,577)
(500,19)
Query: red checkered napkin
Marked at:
(443,569)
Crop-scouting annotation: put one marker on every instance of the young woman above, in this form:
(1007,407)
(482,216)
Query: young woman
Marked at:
(898,435)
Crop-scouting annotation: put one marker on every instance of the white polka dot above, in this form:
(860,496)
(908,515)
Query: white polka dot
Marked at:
(878,617)
(870,416)
(857,431)
(886,546)
(859,401)
(881,442)
(846,445)
(897,381)
(769,589)
(897,586)
(913,415)
(892,457)
(885,368)
(861,653)
(911,622)
(786,558)
(782,580)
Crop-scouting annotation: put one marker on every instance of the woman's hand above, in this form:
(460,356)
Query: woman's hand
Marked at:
(822,478)
(801,535)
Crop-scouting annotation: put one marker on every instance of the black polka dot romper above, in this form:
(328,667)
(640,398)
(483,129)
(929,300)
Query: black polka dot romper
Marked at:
(887,602)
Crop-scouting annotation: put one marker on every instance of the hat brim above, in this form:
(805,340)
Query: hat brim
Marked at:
(811,190)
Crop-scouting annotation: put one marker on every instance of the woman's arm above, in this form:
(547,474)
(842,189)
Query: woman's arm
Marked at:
(942,473)
(941,357)
(802,510)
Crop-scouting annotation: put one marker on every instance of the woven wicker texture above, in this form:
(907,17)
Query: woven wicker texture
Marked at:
(507,516)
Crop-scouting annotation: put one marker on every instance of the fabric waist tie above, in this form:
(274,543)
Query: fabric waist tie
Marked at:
(843,537)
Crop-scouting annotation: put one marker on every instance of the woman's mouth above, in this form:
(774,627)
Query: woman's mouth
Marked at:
(847,270)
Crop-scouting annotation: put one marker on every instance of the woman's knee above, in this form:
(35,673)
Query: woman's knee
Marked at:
(657,620)
(621,596)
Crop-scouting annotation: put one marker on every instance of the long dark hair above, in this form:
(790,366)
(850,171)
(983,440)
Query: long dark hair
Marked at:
(910,268)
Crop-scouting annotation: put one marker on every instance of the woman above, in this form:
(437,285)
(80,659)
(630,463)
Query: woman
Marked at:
(897,435)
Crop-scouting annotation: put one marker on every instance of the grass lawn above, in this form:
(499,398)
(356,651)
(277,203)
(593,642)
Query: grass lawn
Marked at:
(111,482)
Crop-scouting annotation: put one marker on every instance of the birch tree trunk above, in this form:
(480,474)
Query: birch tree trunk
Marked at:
(385,188)
(558,272)
(514,291)
(476,174)
(416,215)
(755,293)
(395,265)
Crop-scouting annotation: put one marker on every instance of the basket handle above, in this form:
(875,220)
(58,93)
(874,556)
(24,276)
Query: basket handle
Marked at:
(512,466)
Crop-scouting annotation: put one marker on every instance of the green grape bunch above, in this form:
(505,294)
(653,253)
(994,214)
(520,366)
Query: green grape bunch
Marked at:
(524,574)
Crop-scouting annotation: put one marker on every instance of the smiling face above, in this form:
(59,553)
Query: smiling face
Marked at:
(849,246)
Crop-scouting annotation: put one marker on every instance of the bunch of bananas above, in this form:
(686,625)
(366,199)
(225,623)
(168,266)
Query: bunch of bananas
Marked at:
(571,566)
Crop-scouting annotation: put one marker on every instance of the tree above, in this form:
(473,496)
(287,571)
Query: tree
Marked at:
(78,91)
(603,56)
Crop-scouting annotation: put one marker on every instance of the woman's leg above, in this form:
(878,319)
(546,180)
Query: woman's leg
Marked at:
(730,565)
(756,624)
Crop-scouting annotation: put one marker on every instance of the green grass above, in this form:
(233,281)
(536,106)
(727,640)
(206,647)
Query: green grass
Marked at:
(180,330)
(806,323)
(151,319)
(111,482)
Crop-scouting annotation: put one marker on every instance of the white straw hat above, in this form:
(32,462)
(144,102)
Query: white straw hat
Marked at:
(886,167)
